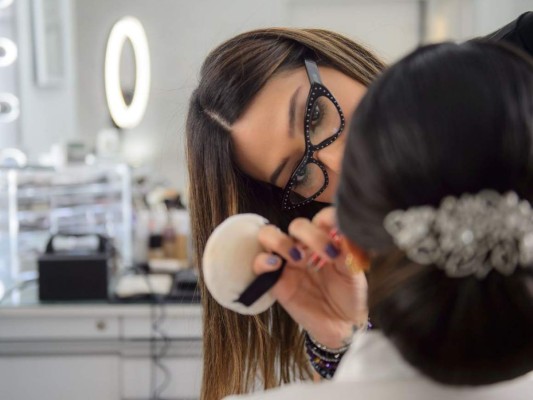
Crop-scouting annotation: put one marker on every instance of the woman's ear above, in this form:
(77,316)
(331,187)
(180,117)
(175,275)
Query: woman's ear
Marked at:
(357,260)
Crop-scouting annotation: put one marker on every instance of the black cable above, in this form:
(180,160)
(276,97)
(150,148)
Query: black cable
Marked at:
(153,372)
(158,355)
(157,335)
(157,327)
(19,286)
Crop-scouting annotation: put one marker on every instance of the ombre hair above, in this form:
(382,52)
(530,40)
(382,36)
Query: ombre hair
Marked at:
(240,351)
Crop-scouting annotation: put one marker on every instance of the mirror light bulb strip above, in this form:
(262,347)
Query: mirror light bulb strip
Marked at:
(5,3)
(9,107)
(9,53)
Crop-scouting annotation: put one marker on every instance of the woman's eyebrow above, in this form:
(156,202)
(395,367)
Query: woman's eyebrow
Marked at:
(292,129)
(292,112)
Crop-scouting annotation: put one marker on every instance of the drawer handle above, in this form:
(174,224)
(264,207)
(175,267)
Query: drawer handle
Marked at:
(101,325)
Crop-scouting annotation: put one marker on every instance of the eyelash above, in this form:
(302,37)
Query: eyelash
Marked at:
(322,112)
(305,178)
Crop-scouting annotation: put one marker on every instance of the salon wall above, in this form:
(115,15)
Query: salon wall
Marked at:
(48,115)
(8,77)
(181,33)
(390,28)
(465,19)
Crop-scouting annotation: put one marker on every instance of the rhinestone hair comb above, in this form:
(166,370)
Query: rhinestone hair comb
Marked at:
(469,235)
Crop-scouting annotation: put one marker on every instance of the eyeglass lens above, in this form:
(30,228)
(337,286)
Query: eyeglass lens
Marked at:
(324,122)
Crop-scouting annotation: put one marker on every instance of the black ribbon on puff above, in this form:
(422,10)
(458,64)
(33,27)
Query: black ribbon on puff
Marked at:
(262,284)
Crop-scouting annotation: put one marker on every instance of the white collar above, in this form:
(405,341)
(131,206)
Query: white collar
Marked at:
(372,357)
(373,369)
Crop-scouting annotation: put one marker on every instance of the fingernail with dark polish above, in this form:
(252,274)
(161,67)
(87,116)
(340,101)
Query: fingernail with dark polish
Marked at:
(295,254)
(332,250)
(272,260)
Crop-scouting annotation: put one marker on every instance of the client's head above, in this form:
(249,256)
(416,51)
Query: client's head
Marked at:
(451,285)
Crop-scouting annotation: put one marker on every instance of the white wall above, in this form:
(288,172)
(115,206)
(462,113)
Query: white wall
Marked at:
(492,14)
(8,77)
(48,115)
(180,34)
(391,28)
(465,19)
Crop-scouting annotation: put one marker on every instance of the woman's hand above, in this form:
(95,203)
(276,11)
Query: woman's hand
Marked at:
(323,296)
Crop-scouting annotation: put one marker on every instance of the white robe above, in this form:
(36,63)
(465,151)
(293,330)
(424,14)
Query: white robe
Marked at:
(372,369)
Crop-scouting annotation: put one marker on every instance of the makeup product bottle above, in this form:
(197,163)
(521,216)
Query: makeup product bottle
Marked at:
(141,234)
(169,234)
(181,223)
(155,247)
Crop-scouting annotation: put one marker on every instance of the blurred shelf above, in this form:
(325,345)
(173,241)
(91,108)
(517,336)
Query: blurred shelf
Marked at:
(36,203)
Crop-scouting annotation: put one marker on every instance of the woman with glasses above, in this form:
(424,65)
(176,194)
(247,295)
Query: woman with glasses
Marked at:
(265,135)
(435,203)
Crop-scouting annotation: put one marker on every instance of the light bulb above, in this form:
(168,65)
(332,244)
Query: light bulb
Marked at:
(9,107)
(127,116)
(9,53)
(5,3)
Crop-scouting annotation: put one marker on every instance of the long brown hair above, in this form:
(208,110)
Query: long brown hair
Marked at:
(242,352)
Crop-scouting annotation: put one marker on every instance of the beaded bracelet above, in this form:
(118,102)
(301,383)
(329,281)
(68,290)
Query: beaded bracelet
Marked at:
(324,359)
(340,350)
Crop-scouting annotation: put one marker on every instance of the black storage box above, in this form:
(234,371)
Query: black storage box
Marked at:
(75,275)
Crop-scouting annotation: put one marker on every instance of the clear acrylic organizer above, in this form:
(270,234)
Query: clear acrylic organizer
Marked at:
(38,202)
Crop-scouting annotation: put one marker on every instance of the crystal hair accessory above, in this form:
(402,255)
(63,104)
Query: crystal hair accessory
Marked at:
(469,235)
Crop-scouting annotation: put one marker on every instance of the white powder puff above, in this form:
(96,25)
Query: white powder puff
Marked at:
(227,263)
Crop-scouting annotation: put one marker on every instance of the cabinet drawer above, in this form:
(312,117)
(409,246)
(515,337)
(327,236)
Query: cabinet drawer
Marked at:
(20,328)
(184,379)
(183,327)
(56,377)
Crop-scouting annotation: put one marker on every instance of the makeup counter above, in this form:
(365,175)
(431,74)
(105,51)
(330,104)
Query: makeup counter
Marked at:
(139,335)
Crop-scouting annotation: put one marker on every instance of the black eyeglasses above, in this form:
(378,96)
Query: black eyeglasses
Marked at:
(323,122)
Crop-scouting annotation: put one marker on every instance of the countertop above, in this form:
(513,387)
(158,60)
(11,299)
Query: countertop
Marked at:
(22,316)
